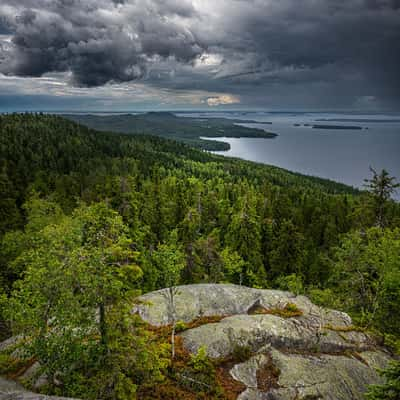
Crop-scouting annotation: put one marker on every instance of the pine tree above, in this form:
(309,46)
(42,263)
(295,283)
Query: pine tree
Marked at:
(381,187)
(244,236)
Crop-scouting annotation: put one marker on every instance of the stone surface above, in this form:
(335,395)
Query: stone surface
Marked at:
(314,355)
(317,355)
(317,329)
(256,331)
(323,376)
(246,372)
(10,342)
(10,390)
(193,301)
(9,386)
(35,376)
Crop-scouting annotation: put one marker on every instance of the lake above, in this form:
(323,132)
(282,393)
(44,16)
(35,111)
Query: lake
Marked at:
(341,155)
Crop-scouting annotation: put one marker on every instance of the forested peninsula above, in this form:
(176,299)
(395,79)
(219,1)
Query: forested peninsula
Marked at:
(93,222)
(189,130)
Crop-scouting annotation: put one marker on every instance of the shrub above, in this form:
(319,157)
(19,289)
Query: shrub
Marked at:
(200,362)
(180,326)
(241,353)
(390,390)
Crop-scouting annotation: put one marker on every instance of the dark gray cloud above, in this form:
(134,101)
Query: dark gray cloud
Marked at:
(353,45)
(97,41)
(383,4)
(352,35)
(327,52)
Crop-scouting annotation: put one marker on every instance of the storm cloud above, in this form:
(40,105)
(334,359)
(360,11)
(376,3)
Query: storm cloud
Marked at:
(97,41)
(257,52)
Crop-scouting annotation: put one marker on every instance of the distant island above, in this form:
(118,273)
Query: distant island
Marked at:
(167,125)
(358,120)
(339,127)
(326,126)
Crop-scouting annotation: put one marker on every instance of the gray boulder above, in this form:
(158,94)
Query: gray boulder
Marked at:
(316,329)
(194,301)
(314,355)
(309,353)
(323,376)
(11,342)
(10,390)
(256,331)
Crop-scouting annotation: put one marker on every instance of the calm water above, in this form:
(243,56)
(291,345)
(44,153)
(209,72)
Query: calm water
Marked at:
(341,155)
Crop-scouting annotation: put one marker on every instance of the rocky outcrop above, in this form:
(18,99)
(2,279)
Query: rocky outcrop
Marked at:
(312,376)
(193,301)
(256,331)
(288,347)
(314,354)
(10,390)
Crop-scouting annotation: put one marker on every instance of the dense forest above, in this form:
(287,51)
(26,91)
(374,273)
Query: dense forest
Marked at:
(88,220)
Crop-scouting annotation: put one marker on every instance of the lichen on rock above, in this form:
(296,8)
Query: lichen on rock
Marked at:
(316,354)
(278,345)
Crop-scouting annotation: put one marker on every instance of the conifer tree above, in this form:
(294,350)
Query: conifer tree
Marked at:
(381,187)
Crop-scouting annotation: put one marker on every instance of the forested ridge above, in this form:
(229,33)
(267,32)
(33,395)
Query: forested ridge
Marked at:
(152,213)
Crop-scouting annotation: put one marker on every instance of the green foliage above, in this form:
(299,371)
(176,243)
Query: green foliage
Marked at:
(208,260)
(10,215)
(200,362)
(40,213)
(10,365)
(73,302)
(323,297)
(390,390)
(288,250)
(393,342)
(381,187)
(134,359)
(88,218)
(241,353)
(200,376)
(292,282)
(244,236)
(169,261)
(180,326)
(233,265)
(167,125)
(291,308)
(366,277)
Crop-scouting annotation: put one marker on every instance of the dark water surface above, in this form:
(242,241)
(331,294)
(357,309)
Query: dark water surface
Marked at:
(339,154)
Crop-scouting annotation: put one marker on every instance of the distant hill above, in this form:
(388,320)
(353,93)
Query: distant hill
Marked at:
(167,125)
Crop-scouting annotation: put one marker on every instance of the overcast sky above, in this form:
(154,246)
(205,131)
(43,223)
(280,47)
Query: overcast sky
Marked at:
(214,54)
